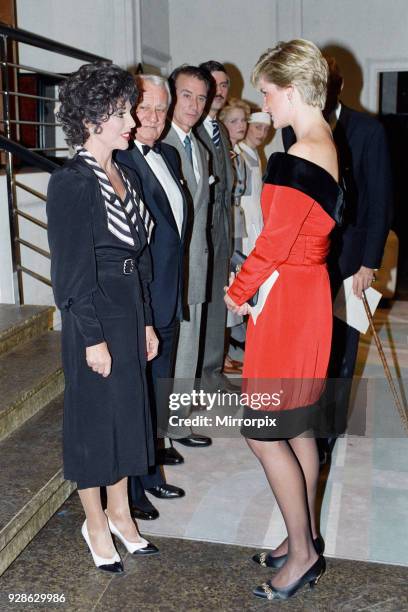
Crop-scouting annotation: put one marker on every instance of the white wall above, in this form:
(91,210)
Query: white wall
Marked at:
(6,265)
(368,36)
(102,27)
(371,35)
(155,34)
(230,31)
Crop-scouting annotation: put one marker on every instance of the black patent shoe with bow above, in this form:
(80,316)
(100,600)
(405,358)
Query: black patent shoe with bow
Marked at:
(266,559)
(311,577)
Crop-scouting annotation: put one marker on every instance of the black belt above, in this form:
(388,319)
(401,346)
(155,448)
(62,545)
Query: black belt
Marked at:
(124,266)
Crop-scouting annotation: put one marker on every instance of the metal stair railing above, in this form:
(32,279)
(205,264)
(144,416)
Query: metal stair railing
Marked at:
(11,70)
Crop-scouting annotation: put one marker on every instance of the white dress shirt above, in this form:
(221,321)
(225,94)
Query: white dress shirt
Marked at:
(207,123)
(182,135)
(166,180)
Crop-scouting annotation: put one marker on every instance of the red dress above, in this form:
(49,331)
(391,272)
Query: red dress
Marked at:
(291,339)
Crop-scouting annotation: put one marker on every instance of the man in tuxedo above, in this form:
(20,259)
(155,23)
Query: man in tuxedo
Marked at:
(189,87)
(357,245)
(213,135)
(157,166)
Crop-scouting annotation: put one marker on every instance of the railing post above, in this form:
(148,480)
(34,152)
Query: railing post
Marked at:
(11,193)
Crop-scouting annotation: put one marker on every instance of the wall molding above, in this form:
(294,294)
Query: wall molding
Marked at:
(156,58)
(373,66)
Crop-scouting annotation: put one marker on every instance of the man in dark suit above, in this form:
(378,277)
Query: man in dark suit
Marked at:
(357,245)
(158,169)
(213,135)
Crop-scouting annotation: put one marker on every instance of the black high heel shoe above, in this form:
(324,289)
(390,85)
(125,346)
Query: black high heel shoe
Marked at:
(266,559)
(311,577)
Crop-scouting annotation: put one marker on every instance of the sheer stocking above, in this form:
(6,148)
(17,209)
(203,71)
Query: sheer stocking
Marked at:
(285,477)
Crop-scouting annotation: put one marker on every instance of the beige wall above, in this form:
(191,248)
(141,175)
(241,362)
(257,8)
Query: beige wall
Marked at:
(367,36)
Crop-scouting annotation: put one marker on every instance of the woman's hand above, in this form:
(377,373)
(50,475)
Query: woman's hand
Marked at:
(152,343)
(98,358)
(242,310)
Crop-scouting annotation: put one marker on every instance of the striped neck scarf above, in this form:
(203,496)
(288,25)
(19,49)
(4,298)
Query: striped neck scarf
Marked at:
(116,212)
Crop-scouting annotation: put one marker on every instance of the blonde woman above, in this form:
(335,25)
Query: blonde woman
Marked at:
(290,343)
(259,124)
(235,117)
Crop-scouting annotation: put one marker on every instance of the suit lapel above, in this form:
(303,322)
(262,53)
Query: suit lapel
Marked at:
(200,161)
(183,195)
(139,238)
(188,172)
(149,179)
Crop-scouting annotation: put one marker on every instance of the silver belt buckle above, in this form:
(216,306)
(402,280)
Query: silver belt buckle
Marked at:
(128,266)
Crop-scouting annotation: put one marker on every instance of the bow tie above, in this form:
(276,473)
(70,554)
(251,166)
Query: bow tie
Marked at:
(156,148)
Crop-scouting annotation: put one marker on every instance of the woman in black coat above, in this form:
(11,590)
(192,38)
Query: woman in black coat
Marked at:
(98,231)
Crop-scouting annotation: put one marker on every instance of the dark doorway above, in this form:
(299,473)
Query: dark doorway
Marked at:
(394,116)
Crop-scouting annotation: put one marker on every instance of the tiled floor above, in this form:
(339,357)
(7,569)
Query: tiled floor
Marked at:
(364,495)
(228,507)
(187,576)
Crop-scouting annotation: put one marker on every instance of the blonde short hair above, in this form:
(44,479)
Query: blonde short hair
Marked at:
(297,62)
(231,105)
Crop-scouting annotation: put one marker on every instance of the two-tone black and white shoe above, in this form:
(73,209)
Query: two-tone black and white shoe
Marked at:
(113,564)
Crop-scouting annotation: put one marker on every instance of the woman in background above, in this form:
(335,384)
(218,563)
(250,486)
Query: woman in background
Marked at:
(258,128)
(234,116)
(290,343)
(98,230)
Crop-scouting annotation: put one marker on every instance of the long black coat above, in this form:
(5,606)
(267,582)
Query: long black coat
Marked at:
(365,167)
(107,424)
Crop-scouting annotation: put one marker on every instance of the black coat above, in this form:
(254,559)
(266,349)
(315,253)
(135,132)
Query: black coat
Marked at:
(365,168)
(167,247)
(107,424)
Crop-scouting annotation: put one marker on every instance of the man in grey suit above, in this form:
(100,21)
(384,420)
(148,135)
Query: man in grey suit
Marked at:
(214,137)
(190,86)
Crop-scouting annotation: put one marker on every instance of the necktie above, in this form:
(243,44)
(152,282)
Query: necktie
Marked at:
(216,137)
(188,148)
(156,148)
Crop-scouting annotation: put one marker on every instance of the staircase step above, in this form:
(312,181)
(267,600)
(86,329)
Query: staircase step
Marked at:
(31,480)
(19,324)
(30,377)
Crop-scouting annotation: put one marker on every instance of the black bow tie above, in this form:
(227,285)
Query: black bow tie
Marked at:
(156,148)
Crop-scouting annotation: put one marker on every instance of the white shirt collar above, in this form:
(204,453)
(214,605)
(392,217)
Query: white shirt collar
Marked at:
(139,145)
(180,133)
(208,121)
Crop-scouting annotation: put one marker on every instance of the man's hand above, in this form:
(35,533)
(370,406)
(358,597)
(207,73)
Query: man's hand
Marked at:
(152,343)
(98,358)
(362,280)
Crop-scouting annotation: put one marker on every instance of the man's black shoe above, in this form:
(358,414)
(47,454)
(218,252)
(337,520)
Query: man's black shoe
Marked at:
(144,515)
(194,440)
(169,456)
(166,491)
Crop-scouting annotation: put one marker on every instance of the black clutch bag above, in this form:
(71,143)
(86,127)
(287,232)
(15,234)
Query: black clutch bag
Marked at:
(237,260)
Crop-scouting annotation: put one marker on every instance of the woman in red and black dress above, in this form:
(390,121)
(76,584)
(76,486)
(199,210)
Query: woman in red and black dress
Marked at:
(288,347)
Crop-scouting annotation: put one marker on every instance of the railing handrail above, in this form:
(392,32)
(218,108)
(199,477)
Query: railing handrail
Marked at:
(28,38)
(30,157)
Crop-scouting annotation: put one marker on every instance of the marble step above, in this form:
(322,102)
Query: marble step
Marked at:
(30,377)
(31,480)
(19,324)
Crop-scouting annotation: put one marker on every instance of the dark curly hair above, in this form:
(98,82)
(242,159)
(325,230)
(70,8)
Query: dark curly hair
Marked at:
(92,94)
